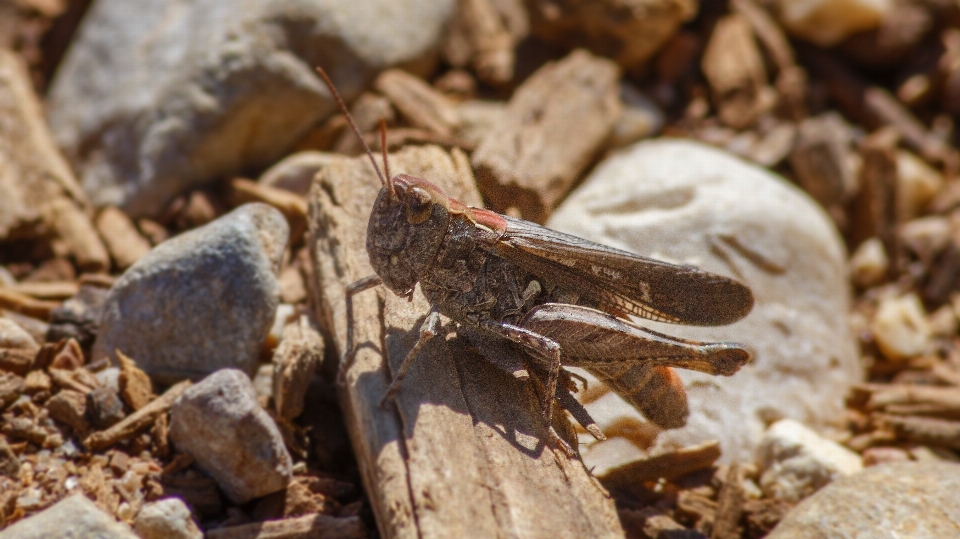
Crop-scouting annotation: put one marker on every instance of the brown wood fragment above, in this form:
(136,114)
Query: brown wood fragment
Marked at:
(628,33)
(653,523)
(26,305)
(55,290)
(78,379)
(696,507)
(306,527)
(68,356)
(480,37)
(17,360)
(461,451)
(730,500)
(924,430)
(734,68)
(137,421)
(822,162)
(294,361)
(667,466)
(290,204)
(874,210)
(531,159)
(136,389)
(905,399)
(37,382)
(70,408)
(420,104)
(11,387)
(763,515)
(121,237)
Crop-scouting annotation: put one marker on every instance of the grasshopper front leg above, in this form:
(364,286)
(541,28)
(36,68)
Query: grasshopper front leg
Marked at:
(353,289)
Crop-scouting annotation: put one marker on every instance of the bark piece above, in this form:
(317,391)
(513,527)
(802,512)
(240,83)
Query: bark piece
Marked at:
(630,31)
(26,305)
(730,500)
(121,237)
(420,104)
(874,212)
(136,421)
(532,158)
(480,37)
(924,430)
(462,450)
(299,354)
(291,205)
(734,68)
(135,386)
(314,526)
(52,290)
(822,161)
(667,466)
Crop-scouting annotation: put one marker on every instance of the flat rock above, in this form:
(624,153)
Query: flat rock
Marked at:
(685,202)
(200,301)
(145,114)
(74,517)
(910,499)
(166,519)
(221,425)
(295,173)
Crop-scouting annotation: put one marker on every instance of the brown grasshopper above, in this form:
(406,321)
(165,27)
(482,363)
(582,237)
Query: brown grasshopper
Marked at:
(561,299)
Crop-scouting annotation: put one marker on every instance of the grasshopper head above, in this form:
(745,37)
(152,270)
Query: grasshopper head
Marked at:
(407,225)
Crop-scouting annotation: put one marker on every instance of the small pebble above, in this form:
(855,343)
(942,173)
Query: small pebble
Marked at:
(828,22)
(900,327)
(14,336)
(166,519)
(73,517)
(869,264)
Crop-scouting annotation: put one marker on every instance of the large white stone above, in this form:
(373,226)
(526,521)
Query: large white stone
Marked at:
(155,97)
(689,203)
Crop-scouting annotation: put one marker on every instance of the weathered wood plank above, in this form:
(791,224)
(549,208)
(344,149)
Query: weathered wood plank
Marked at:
(461,452)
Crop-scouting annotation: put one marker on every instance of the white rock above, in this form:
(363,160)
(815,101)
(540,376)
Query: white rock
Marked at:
(900,327)
(155,97)
(166,519)
(686,202)
(14,336)
(869,263)
(917,184)
(828,22)
(641,117)
(796,462)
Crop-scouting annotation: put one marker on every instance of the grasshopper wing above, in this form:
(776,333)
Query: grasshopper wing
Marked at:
(619,281)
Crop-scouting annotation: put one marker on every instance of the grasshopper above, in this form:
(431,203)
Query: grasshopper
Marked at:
(563,300)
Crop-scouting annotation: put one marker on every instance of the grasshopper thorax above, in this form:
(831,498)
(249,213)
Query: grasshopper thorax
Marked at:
(407,225)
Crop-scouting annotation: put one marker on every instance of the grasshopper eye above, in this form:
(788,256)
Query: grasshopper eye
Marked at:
(419,206)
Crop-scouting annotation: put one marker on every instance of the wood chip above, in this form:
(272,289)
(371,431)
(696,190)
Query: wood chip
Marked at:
(121,237)
(70,408)
(730,500)
(137,421)
(26,305)
(310,526)
(822,160)
(11,387)
(56,290)
(290,204)
(667,466)
(531,159)
(294,361)
(734,68)
(874,208)
(136,389)
(420,104)
(17,360)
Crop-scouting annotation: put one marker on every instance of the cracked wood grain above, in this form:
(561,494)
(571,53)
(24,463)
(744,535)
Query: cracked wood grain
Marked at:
(461,452)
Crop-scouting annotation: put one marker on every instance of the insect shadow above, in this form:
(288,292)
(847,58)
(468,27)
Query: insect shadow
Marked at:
(451,373)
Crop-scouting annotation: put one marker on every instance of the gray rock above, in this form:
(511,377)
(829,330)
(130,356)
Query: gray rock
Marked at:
(74,517)
(200,301)
(166,519)
(689,203)
(155,97)
(908,499)
(220,423)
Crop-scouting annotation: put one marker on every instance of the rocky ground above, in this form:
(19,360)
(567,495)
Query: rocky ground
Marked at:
(182,205)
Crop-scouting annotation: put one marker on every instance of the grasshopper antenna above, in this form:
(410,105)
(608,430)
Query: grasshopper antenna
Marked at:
(383,146)
(343,108)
